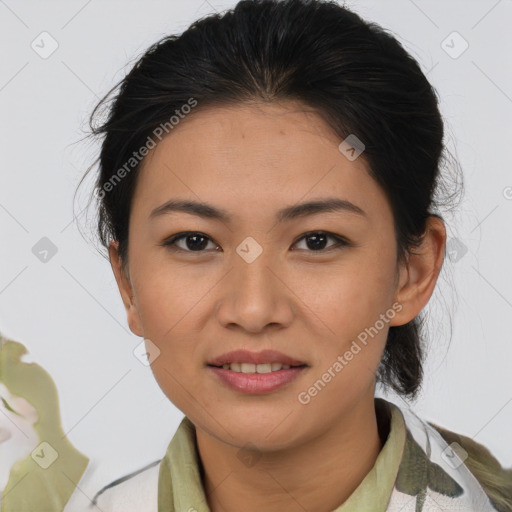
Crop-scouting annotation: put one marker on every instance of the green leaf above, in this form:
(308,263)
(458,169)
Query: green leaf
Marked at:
(31,486)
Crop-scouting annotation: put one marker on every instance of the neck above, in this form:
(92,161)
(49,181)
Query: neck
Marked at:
(337,462)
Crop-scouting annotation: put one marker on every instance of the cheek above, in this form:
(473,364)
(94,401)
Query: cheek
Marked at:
(169,299)
(170,309)
(349,297)
(354,310)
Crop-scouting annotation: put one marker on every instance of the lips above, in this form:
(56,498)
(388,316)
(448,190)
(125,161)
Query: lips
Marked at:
(257,383)
(246,356)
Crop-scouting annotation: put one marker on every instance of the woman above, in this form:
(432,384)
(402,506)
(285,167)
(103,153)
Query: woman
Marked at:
(268,194)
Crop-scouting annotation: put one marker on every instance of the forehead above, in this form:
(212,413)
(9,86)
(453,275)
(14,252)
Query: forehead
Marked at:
(248,157)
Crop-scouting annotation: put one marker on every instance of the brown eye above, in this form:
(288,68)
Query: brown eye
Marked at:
(316,241)
(193,242)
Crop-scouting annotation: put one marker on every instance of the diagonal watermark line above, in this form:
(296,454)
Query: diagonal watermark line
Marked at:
(492,81)
(97,301)
(499,1)
(506,403)
(13,13)
(494,288)
(75,15)
(492,211)
(14,218)
(14,424)
(88,497)
(14,486)
(211,492)
(206,2)
(13,77)
(279,424)
(211,6)
(287,491)
(439,506)
(425,14)
(71,71)
(119,380)
(72,221)
(13,279)
(427,72)
(406,504)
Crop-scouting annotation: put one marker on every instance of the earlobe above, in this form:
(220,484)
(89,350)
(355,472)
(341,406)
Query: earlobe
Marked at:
(419,276)
(125,289)
(122,280)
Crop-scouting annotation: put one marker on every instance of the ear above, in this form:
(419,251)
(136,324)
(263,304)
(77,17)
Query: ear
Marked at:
(418,277)
(125,288)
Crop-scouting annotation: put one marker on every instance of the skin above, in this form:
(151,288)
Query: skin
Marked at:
(253,160)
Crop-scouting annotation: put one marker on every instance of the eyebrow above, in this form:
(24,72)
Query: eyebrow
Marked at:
(208,211)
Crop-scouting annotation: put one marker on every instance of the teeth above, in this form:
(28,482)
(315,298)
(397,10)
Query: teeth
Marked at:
(255,368)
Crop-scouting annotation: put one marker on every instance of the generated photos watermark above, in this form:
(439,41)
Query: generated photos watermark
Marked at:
(137,156)
(304,397)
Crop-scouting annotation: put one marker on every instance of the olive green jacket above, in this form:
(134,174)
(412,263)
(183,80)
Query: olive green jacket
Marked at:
(421,468)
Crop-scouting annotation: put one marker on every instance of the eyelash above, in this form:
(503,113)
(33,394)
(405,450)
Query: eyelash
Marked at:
(340,241)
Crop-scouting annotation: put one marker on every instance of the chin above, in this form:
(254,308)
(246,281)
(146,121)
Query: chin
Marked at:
(268,430)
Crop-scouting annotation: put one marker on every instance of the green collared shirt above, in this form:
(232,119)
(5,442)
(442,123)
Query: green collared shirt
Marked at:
(180,488)
(421,467)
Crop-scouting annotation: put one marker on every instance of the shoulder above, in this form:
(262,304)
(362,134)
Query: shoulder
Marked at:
(134,492)
(495,480)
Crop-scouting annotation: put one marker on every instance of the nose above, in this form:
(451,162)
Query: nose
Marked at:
(255,296)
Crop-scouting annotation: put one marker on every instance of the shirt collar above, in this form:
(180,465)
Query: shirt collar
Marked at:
(180,485)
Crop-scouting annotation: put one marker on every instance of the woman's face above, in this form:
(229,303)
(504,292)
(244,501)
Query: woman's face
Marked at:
(255,281)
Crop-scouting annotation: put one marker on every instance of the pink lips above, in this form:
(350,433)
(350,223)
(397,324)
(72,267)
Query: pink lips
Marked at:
(257,383)
(245,356)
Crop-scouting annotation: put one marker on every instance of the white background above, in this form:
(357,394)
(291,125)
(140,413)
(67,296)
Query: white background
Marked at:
(68,311)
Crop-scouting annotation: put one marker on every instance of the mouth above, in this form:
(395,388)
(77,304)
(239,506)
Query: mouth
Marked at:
(251,368)
(249,381)
(256,373)
(246,361)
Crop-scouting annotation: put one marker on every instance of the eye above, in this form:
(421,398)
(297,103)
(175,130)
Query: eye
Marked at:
(195,241)
(317,240)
